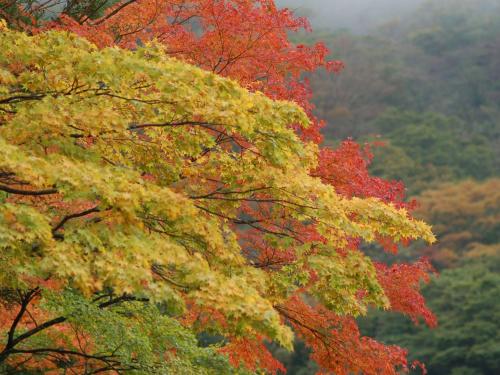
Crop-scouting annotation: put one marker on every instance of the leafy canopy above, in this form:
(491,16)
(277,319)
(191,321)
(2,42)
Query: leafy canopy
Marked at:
(129,173)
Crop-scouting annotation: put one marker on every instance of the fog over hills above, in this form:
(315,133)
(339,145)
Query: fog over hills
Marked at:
(358,15)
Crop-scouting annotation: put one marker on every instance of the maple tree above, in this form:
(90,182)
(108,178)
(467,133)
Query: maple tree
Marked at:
(211,205)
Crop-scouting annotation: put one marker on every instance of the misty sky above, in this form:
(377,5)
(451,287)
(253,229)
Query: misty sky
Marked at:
(359,15)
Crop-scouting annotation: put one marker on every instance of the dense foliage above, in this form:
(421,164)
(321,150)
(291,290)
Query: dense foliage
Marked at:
(149,205)
(426,149)
(466,219)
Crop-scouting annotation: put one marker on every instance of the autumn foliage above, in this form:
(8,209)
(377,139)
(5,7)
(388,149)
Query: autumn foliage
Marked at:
(466,219)
(148,199)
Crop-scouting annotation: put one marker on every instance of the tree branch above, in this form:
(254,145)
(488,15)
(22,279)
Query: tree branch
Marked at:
(10,190)
(10,347)
(123,298)
(25,301)
(20,98)
(125,4)
(74,216)
(35,330)
(179,123)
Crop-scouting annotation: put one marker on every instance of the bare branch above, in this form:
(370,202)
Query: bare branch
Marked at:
(115,11)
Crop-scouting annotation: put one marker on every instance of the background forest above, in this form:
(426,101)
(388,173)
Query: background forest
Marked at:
(422,87)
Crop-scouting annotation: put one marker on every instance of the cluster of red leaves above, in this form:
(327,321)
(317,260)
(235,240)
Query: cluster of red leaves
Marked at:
(401,283)
(271,218)
(337,345)
(196,316)
(263,254)
(346,168)
(252,354)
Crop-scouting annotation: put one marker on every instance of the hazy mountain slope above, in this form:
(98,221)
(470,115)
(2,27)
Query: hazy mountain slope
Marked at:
(357,15)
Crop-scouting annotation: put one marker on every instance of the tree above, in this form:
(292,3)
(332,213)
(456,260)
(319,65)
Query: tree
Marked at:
(248,233)
(465,217)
